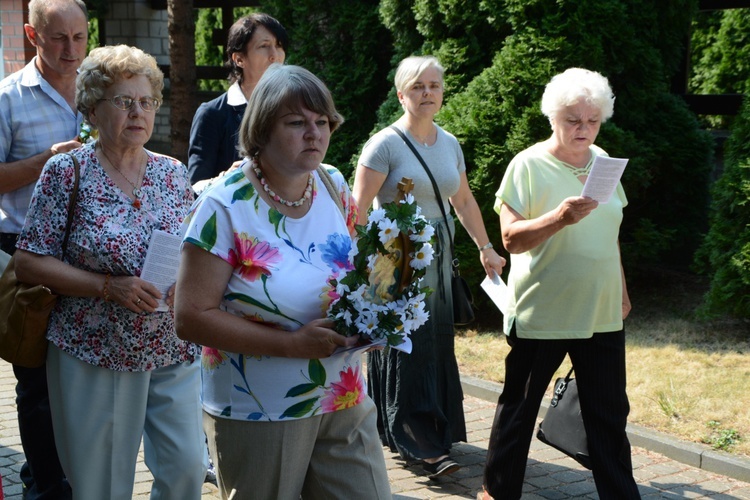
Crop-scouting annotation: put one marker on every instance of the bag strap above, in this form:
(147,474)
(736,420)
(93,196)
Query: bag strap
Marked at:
(328,182)
(71,204)
(437,193)
(561,388)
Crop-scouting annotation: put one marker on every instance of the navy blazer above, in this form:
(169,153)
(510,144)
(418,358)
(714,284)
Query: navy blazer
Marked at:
(213,138)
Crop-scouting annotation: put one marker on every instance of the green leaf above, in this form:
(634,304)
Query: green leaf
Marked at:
(300,409)
(208,232)
(317,372)
(301,389)
(394,339)
(248,300)
(275,217)
(244,193)
(237,176)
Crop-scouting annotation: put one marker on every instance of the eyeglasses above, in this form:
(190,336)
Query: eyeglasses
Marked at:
(125,102)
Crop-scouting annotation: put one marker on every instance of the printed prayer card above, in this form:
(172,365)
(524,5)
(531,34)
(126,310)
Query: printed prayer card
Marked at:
(603,178)
(162,261)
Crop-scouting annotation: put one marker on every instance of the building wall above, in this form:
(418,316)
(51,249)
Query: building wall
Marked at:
(16,49)
(135,23)
(130,22)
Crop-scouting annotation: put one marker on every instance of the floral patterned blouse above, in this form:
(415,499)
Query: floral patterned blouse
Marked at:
(282,269)
(109,235)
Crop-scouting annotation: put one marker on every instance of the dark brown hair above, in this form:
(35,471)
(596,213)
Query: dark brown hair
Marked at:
(242,32)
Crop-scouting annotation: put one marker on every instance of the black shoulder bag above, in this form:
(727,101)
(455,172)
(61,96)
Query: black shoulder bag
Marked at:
(562,427)
(463,301)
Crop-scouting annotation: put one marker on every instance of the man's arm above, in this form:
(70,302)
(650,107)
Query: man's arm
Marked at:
(17,174)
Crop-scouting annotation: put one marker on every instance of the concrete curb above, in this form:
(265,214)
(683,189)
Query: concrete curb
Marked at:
(693,454)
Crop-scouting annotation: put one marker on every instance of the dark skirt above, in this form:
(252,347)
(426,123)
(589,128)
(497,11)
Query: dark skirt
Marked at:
(418,395)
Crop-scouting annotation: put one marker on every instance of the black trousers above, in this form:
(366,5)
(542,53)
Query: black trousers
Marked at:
(599,364)
(42,474)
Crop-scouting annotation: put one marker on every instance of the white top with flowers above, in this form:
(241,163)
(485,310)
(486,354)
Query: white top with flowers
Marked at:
(282,272)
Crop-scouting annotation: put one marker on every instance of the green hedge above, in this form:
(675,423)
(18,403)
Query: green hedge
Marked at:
(725,253)
(497,114)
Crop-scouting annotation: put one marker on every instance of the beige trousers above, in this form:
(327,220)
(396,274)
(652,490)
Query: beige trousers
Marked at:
(332,456)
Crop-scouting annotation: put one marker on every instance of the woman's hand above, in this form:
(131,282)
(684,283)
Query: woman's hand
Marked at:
(201,185)
(317,340)
(492,262)
(572,210)
(201,284)
(626,307)
(170,296)
(133,293)
(234,166)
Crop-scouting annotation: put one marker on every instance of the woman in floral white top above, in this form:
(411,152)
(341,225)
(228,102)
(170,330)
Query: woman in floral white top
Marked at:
(117,371)
(285,411)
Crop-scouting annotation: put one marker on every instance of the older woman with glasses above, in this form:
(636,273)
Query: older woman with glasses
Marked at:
(117,371)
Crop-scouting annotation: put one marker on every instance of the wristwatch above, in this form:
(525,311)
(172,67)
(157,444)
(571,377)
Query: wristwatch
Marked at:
(485,247)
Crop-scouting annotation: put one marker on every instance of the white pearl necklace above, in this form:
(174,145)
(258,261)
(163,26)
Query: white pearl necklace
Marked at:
(305,196)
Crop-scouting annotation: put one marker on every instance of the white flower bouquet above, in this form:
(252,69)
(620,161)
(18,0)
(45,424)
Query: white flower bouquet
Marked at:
(382,298)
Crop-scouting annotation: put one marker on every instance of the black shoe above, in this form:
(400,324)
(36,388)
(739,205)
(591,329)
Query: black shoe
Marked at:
(441,468)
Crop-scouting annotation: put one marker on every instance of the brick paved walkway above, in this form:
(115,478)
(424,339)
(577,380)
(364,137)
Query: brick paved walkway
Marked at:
(550,474)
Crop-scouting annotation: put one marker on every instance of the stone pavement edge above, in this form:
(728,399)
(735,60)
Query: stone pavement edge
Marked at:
(663,467)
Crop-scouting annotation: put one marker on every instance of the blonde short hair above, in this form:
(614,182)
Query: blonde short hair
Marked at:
(105,65)
(576,85)
(410,69)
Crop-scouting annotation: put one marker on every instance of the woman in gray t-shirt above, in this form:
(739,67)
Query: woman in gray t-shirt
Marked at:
(418,395)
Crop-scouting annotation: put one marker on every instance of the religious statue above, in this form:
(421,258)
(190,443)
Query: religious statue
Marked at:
(391,273)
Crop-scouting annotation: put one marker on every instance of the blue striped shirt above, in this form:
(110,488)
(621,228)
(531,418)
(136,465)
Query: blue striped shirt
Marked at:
(33,117)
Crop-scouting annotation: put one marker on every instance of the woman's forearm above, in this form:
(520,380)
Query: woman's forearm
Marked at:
(61,278)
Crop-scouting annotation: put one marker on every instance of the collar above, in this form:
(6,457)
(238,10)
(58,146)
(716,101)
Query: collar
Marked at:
(30,75)
(235,97)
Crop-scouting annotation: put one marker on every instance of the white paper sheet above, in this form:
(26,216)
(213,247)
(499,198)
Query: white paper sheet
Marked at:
(162,262)
(603,178)
(497,290)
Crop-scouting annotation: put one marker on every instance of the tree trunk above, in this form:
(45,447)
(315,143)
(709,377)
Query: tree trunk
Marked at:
(181,75)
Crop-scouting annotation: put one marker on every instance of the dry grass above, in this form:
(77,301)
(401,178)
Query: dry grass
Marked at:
(687,378)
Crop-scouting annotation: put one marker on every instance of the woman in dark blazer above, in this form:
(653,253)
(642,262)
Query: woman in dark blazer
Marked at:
(254,43)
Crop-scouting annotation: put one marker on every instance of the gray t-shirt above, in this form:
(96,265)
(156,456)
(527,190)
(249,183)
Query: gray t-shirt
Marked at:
(386,152)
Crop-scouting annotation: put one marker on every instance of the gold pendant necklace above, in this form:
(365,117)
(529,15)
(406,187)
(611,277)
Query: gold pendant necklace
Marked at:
(136,189)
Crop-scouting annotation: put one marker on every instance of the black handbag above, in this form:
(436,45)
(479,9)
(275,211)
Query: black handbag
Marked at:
(463,300)
(562,427)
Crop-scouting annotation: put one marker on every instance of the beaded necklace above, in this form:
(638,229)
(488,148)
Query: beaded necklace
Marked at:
(278,199)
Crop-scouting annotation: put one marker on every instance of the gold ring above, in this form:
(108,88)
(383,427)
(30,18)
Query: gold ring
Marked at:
(330,339)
